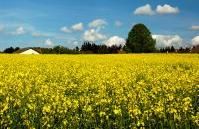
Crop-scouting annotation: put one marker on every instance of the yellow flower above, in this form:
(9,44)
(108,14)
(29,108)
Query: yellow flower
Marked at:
(117,111)
(102,113)
(46,109)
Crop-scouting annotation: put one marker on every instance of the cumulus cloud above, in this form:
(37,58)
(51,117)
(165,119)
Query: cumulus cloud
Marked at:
(75,27)
(93,35)
(144,10)
(19,31)
(167,9)
(98,23)
(118,23)
(195,27)
(65,29)
(168,40)
(49,43)
(115,40)
(195,41)
(78,27)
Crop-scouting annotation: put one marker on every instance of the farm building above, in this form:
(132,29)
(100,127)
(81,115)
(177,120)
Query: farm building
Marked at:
(29,51)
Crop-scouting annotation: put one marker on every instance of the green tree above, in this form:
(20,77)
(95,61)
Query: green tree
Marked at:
(9,50)
(140,40)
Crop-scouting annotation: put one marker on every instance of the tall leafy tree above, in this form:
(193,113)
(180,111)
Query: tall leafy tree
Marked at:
(140,40)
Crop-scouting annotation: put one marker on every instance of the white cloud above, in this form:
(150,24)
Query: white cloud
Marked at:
(167,9)
(78,27)
(195,27)
(93,35)
(19,31)
(195,41)
(168,40)
(49,43)
(118,23)
(65,29)
(144,10)
(76,43)
(1,28)
(98,23)
(75,27)
(115,40)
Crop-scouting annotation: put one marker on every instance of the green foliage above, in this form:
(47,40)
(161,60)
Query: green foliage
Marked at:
(60,50)
(90,47)
(11,50)
(140,40)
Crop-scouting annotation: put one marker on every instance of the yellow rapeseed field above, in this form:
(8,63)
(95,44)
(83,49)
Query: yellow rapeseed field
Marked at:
(99,91)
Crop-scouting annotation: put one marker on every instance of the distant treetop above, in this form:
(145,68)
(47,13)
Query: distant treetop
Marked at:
(140,40)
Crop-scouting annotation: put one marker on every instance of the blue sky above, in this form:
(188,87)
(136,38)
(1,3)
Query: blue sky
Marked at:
(47,23)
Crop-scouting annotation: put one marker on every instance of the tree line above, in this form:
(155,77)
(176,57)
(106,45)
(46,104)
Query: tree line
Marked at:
(139,41)
(92,48)
(86,48)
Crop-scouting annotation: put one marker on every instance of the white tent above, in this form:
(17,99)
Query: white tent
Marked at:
(30,52)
